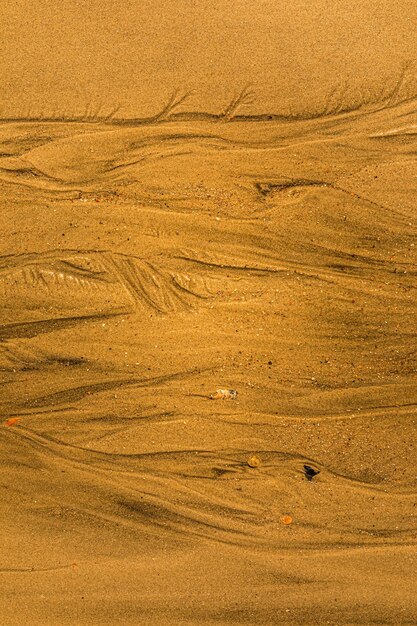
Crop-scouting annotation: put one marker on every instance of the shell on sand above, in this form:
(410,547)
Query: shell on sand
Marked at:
(224,394)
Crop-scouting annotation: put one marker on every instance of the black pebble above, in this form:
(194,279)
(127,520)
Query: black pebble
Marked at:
(310,472)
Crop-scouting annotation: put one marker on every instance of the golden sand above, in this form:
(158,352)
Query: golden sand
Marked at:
(197,197)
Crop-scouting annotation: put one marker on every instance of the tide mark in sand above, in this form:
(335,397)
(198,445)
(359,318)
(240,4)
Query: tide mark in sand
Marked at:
(267,188)
(32,329)
(336,103)
(6,570)
(75,394)
(22,356)
(155,288)
(82,281)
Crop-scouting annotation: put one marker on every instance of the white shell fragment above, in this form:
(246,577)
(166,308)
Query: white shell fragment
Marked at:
(224,394)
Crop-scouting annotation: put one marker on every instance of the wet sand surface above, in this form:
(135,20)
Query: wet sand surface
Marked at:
(145,264)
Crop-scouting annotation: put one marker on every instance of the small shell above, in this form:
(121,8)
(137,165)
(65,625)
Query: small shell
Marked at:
(11,421)
(253,461)
(224,394)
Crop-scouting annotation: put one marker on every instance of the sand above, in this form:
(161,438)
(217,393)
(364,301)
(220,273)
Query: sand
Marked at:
(233,211)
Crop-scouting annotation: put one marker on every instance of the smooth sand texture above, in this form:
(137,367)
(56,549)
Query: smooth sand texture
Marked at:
(258,235)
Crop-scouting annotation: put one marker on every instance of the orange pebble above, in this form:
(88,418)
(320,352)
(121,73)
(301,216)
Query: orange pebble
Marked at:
(286,519)
(11,421)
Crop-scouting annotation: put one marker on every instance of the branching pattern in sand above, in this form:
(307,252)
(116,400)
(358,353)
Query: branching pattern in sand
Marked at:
(157,262)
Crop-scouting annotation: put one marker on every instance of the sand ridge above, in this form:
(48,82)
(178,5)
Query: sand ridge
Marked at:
(153,254)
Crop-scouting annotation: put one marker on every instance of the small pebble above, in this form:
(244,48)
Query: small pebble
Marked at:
(12,421)
(224,394)
(253,461)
